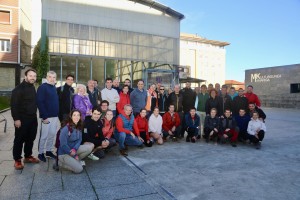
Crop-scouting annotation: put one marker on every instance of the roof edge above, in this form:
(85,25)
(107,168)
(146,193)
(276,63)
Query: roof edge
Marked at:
(160,7)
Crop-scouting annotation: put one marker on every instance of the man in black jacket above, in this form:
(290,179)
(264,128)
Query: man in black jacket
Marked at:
(65,94)
(261,113)
(226,101)
(239,102)
(23,111)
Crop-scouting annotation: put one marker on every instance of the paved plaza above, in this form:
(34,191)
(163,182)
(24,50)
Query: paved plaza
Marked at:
(171,171)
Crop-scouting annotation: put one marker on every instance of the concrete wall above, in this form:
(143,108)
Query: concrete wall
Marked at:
(273,85)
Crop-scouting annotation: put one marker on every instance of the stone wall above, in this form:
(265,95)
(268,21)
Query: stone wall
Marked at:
(273,85)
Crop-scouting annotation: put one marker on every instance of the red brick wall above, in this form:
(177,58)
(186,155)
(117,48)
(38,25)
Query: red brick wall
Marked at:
(10,31)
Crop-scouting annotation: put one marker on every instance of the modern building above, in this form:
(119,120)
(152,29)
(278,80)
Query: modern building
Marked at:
(206,58)
(90,39)
(15,41)
(276,86)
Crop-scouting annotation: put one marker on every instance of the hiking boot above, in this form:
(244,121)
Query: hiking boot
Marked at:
(99,154)
(42,157)
(188,139)
(93,157)
(50,154)
(123,152)
(18,165)
(31,159)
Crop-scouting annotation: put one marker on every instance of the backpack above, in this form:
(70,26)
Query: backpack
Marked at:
(57,141)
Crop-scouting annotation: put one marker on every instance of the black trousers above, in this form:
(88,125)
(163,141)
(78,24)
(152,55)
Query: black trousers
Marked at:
(207,134)
(25,135)
(143,135)
(192,132)
(253,139)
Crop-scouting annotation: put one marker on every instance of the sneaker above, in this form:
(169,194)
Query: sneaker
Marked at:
(31,159)
(233,145)
(193,140)
(93,157)
(99,154)
(123,152)
(82,163)
(258,145)
(18,164)
(174,139)
(188,139)
(42,157)
(50,154)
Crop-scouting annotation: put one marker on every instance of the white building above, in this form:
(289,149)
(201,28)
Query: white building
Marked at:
(205,57)
(91,39)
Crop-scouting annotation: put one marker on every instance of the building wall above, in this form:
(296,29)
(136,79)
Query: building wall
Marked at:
(10,31)
(134,16)
(273,85)
(25,31)
(207,61)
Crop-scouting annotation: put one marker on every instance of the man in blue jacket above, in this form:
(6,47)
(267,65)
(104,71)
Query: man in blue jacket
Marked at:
(192,122)
(48,105)
(138,98)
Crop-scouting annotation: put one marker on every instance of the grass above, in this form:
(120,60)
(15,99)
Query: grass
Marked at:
(4,102)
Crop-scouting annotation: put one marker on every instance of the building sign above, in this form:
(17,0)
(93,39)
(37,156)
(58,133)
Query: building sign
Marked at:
(258,77)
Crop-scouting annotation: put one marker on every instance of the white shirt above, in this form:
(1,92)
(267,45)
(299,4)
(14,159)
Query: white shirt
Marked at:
(155,124)
(255,125)
(111,96)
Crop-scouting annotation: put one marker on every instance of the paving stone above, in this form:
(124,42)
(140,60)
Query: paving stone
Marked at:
(7,168)
(6,156)
(73,181)
(1,179)
(65,195)
(125,191)
(16,185)
(115,171)
(111,180)
(47,182)
(146,197)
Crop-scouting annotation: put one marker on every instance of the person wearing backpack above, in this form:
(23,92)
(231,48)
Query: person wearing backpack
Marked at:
(70,152)
(65,94)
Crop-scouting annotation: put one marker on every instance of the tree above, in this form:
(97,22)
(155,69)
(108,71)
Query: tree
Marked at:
(40,61)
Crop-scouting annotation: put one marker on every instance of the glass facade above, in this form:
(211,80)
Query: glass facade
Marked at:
(90,52)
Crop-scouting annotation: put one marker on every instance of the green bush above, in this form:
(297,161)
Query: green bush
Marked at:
(4,102)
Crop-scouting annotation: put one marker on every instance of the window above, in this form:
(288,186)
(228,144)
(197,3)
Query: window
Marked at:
(295,88)
(5,17)
(5,45)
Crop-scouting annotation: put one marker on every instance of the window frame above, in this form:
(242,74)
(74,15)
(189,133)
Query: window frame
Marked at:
(10,15)
(10,48)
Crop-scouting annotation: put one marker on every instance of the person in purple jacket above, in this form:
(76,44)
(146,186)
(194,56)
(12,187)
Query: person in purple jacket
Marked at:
(82,102)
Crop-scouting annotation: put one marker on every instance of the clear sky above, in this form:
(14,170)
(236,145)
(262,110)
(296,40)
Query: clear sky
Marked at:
(261,33)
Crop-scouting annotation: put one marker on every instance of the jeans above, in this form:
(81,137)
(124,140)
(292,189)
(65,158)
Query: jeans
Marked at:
(127,139)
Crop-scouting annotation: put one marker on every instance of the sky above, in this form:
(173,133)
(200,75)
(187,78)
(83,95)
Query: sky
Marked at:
(261,33)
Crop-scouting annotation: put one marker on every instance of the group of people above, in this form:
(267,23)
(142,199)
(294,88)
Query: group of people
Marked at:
(93,121)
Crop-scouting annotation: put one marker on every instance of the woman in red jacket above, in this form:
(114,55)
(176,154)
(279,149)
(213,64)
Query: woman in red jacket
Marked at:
(124,99)
(142,123)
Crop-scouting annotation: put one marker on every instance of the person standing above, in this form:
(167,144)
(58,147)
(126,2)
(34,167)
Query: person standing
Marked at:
(94,94)
(152,100)
(23,111)
(226,101)
(82,102)
(252,98)
(138,98)
(128,83)
(65,94)
(202,98)
(213,102)
(116,85)
(48,105)
(111,95)
(162,100)
(188,102)
(124,98)
(239,102)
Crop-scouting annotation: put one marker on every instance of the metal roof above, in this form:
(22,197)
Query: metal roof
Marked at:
(160,7)
(196,38)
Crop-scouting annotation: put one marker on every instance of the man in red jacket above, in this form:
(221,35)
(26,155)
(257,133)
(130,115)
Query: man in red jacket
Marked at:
(171,123)
(126,127)
(252,98)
